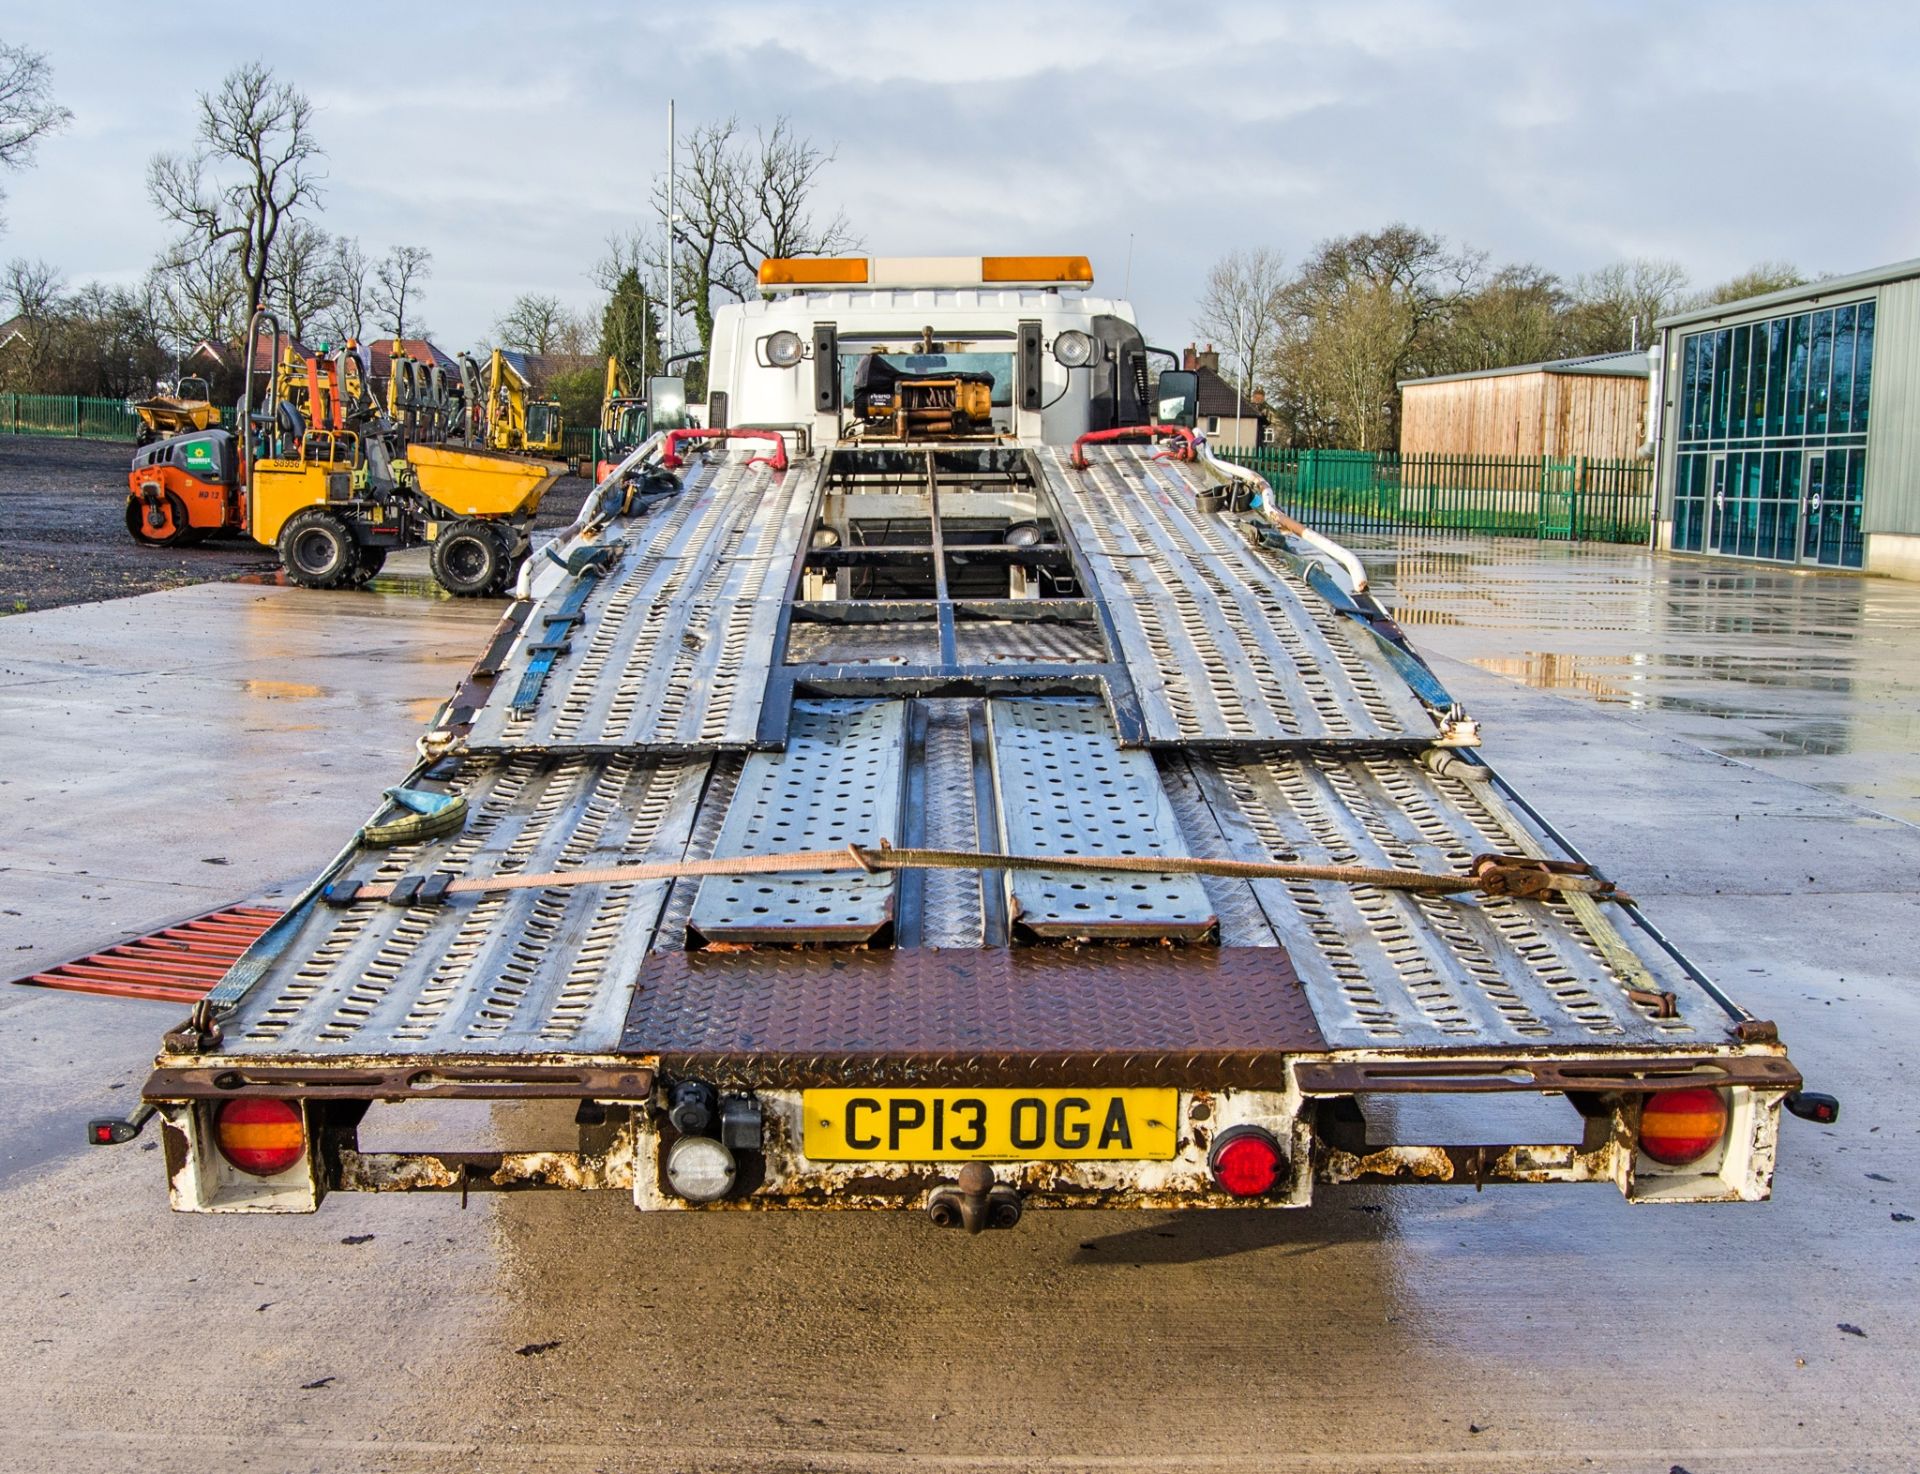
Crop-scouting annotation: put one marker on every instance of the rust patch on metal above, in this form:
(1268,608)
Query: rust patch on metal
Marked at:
(1092,1016)
(1638,1072)
(349,1079)
(465,1172)
(1464,1164)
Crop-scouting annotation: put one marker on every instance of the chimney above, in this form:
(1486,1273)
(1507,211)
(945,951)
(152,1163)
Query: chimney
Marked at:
(1208,359)
(1259,397)
(1190,360)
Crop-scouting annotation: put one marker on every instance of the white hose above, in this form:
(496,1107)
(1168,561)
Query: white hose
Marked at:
(589,510)
(1350,565)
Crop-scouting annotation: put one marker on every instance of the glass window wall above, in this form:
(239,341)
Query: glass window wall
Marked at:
(1770,460)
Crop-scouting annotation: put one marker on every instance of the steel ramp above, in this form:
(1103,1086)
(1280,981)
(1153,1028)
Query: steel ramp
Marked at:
(836,782)
(516,972)
(1066,787)
(1393,968)
(677,636)
(1224,644)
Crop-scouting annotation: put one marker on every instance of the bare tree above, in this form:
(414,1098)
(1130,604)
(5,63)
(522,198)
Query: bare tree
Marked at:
(34,291)
(534,324)
(1240,308)
(199,295)
(1614,307)
(399,281)
(1756,281)
(1519,316)
(347,315)
(1359,316)
(251,170)
(28,112)
(32,288)
(737,201)
(305,282)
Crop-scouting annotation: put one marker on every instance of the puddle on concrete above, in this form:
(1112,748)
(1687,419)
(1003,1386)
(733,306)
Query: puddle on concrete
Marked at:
(1760,664)
(283,690)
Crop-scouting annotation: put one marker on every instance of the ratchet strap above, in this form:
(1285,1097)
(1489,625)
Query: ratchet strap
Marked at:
(1520,876)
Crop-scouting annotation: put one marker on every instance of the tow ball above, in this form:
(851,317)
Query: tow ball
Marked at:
(974,1202)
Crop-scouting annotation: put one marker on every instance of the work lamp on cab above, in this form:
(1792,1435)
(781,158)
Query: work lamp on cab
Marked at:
(1679,1127)
(784,349)
(1073,349)
(700,1169)
(1246,1161)
(261,1137)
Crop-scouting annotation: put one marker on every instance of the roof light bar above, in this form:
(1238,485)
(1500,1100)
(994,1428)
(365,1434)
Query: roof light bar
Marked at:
(788,273)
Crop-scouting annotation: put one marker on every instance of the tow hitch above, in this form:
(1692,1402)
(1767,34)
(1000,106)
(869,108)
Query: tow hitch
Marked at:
(974,1202)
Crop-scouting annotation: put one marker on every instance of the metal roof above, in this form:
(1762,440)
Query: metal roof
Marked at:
(1813,291)
(1630,363)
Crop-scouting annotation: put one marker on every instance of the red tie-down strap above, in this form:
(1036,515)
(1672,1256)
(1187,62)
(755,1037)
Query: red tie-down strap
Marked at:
(778,460)
(1184,451)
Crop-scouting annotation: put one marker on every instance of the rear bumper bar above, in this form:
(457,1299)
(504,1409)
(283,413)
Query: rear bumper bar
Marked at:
(1321,1109)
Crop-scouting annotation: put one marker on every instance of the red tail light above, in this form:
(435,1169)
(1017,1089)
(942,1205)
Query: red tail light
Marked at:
(1246,1161)
(260,1136)
(1678,1127)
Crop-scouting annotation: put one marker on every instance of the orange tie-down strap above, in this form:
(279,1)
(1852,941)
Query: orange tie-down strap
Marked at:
(1495,875)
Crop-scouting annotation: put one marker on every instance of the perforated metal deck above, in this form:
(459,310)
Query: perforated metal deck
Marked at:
(837,782)
(513,972)
(1394,968)
(1066,787)
(1223,643)
(677,638)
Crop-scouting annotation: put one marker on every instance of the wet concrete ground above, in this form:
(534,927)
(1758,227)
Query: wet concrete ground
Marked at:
(1522,1329)
(1811,675)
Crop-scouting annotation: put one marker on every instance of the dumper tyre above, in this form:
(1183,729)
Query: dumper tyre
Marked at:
(372,560)
(469,559)
(179,530)
(318,550)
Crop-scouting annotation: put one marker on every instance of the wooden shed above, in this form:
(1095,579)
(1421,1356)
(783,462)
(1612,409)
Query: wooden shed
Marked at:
(1594,406)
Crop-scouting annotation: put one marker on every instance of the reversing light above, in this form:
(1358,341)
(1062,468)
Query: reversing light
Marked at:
(1679,1127)
(824,537)
(700,1169)
(784,349)
(1074,349)
(259,1136)
(1023,535)
(1246,1161)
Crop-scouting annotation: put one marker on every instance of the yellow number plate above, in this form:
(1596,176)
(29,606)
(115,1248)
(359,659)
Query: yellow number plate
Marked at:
(989,1125)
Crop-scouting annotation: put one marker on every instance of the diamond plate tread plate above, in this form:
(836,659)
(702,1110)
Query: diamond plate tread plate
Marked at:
(676,642)
(837,782)
(1389,968)
(1223,643)
(514,972)
(1066,787)
(1108,1015)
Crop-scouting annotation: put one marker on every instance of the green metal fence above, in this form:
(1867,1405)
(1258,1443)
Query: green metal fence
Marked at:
(68,415)
(580,442)
(1580,499)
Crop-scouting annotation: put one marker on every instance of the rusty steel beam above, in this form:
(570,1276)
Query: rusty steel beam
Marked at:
(1635,1071)
(416,1079)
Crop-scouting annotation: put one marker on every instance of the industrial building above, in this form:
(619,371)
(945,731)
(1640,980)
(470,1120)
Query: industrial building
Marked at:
(1788,430)
(1594,406)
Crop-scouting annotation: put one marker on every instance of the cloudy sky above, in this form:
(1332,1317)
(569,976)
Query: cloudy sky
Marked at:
(511,139)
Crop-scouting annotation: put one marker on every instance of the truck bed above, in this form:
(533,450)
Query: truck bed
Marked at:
(1237,715)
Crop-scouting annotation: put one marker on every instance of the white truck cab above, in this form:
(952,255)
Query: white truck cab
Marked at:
(1061,361)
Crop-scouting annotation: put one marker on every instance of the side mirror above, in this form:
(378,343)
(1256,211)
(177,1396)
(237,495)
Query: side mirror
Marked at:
(1176,398)
(667,401)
